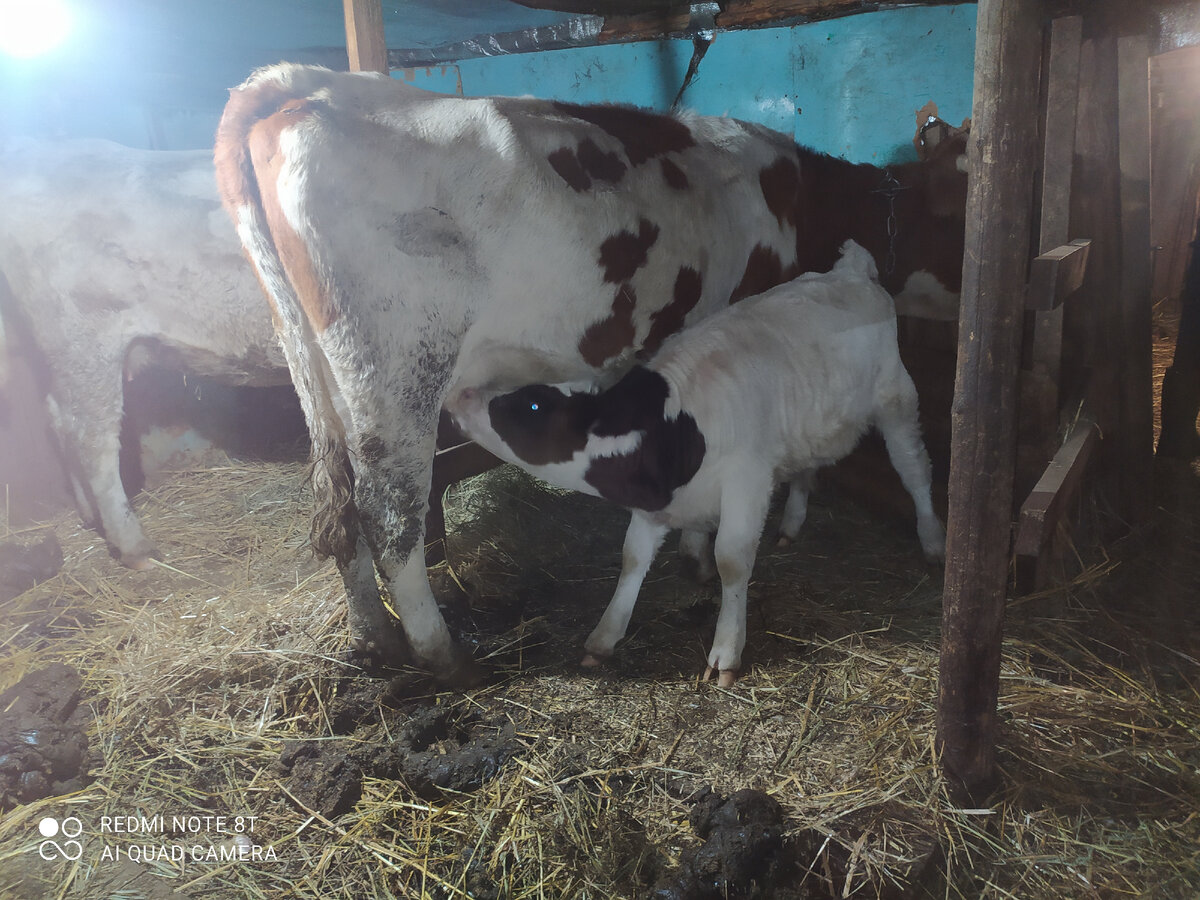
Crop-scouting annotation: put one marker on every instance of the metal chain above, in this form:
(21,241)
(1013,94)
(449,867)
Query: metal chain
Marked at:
(890,187)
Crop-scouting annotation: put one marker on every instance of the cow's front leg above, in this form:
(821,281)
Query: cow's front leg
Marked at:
(85,411)
(744,503)
(642,540)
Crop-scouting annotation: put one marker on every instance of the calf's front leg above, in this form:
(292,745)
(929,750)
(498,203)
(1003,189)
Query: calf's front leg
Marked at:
(744,503)
(642,540)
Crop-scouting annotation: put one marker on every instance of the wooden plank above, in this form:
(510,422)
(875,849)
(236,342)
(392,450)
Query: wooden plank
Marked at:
(1134,439)
(1003,157)
(1044,507)
(365,43)
(450,465)
(1056,275)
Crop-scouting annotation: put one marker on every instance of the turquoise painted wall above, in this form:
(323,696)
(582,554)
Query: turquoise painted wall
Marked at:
(849,86)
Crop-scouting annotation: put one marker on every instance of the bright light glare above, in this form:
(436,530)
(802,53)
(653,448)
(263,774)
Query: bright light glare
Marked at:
(30,28)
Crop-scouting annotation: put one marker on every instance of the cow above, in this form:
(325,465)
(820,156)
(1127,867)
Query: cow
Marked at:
(766,391)
(115,259)
(411,242)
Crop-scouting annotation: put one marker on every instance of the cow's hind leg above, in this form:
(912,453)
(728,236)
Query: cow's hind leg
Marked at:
(642,540)
(897,421)
(392,499)
(372,630)
(744,503)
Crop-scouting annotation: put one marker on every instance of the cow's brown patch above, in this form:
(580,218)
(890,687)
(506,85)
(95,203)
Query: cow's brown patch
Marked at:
(598,164)
(567,165)
(780,184)
(669,319)
(623,253)
(764,270)
(605,339)
(579,167)
(263,141)
(673,175)
(644,135)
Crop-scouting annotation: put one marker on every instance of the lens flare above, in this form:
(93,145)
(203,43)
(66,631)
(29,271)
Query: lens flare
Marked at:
(29,28)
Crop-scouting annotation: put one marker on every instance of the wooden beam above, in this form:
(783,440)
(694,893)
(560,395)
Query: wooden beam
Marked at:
(1056,275)
(1042,512)
(1002,159)
(745,14)
(365,43)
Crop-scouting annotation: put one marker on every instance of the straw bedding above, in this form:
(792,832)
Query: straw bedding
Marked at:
(218,685)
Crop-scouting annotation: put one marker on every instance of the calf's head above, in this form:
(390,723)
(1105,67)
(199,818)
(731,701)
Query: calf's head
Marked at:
(618,444)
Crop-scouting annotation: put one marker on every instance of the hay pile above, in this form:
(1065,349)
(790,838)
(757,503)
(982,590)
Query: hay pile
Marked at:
(203,673)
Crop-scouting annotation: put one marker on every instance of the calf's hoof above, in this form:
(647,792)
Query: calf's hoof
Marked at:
(783,540)
(725,678)
(593,660)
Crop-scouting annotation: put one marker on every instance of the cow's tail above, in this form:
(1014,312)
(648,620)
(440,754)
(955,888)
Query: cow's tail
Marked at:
(857,261)
(335,525)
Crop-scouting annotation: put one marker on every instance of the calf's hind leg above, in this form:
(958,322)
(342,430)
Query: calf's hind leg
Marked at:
(897,421)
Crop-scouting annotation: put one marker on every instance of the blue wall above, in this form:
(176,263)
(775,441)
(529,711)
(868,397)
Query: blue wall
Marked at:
(850,86)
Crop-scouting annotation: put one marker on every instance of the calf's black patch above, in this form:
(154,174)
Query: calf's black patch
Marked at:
(668,456)
(542,425)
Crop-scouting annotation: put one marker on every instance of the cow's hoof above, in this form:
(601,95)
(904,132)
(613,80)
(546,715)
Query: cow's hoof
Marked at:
(464,672)
(141,558)
(725,678)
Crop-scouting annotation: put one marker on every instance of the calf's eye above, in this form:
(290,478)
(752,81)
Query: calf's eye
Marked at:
(533,407)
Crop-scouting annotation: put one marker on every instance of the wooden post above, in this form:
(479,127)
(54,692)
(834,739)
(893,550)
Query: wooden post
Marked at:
(1002,156)
(1135,439)
(1038,431)
(365,43)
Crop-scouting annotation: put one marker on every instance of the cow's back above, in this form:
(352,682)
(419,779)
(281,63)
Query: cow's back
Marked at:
(553,241)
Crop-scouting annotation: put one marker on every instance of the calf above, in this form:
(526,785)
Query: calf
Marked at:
(767,391)
(115,259)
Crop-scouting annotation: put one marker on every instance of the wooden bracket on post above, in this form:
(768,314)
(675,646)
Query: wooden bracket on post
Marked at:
(1047,503)
(1056,275)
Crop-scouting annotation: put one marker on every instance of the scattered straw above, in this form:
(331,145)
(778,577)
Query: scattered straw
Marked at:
(200,670)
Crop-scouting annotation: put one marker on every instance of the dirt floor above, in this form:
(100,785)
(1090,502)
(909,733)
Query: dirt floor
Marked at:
(234,750)
(200,731)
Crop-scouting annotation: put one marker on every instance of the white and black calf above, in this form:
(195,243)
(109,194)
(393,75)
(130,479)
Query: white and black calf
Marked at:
(766,391)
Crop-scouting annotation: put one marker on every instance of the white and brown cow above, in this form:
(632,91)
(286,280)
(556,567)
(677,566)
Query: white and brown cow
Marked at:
(766,391)
(116,258)
(411,241)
